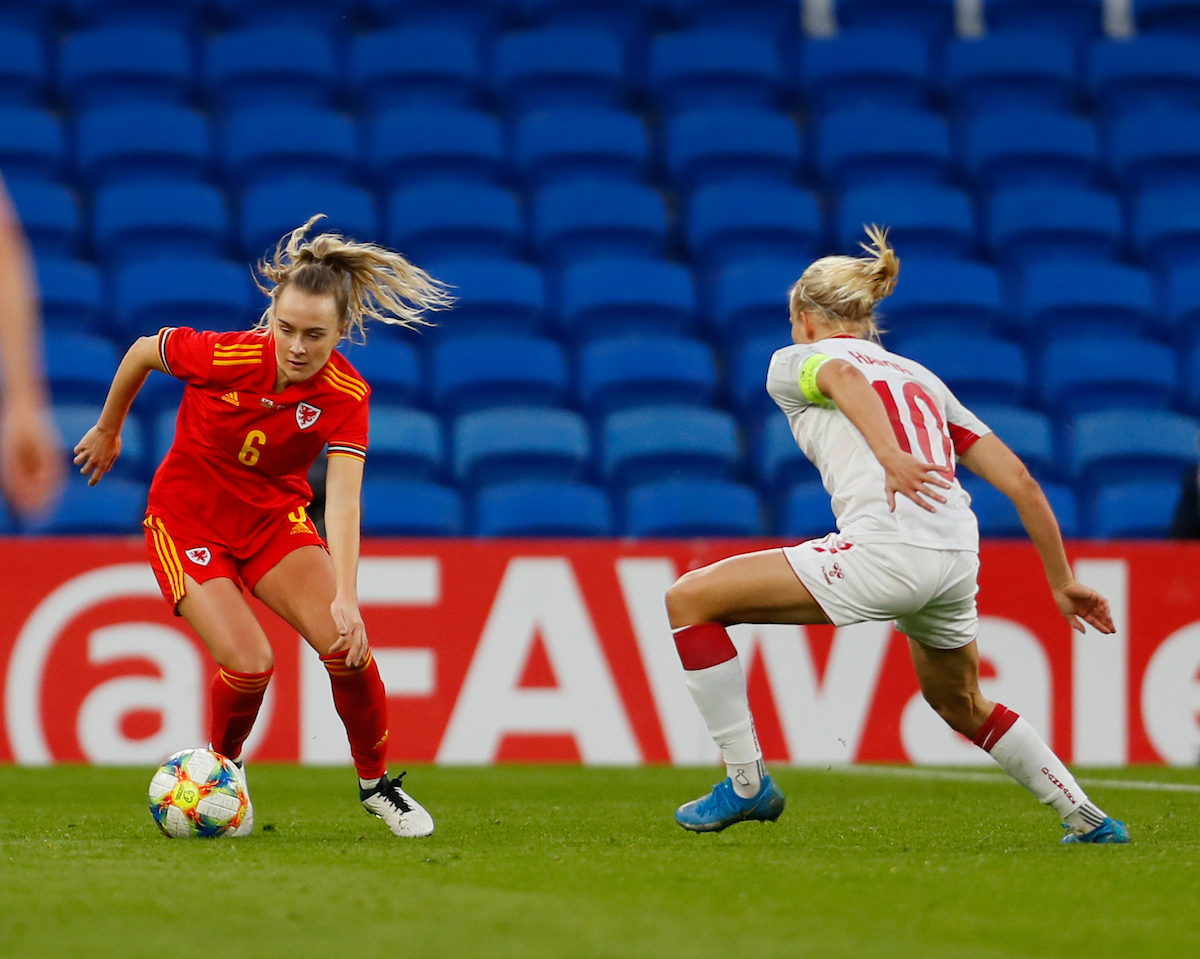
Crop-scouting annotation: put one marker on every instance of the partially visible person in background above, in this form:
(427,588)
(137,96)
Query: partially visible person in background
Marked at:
(1185,524)
(31,466)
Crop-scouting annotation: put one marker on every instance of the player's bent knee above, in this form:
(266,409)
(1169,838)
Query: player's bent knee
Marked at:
(686,601)
(247,660)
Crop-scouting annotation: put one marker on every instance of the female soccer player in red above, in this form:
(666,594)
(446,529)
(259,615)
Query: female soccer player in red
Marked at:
(857,411)
(227,506)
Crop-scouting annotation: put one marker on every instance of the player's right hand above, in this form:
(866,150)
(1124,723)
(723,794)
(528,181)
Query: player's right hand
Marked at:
(1076,601)
(96,453)
(910,477)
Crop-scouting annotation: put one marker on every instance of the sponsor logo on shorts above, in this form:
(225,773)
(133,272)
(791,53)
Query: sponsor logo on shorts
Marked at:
(200,555)
(306,415)
(831,573)
(231,398)
(269,404)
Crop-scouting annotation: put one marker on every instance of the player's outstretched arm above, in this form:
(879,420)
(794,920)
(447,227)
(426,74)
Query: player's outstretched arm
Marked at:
(101,445)
(343,489)
(905,474)
(990,459)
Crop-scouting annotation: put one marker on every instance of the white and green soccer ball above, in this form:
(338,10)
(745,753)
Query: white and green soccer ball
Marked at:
(197,794)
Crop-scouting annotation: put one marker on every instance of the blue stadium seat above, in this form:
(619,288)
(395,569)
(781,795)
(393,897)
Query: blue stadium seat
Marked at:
(79,367)
(1167,16)
(135,141)
(977,369)
(871,146)
(998,517)
(492,295)
(454,143)
(30,14)
(558,66)
(508,443)
(642,370)
(1191,380)
(572,143)
(630,20)
(1181,299)
(480,18)
(1018,147)
(1156,148)
(543,508)
(114,507)
(1028,434)
(474,372)
(715,67)
(405,444)
(1136,510)
(431,221)
(806,513)
(185,15)
(49,214)
(333,16)
(751,299)
(72,298)
(31,143)
(1166,226)
(269,211)
(73,420)
(439,67)
(265,65)
(125,63)
(885,70)
(931,19)
(922,220)
(779,463)
(574,221)
(748,372)
(661,442)
(211,294)
(163,421)
(1150,72)
(392,368)
(143,218)
(1085,374)
(745,219)
(611,296)
(1010,70)
(1071,298)
(24,77)
(939,295)
(267,143)
(410,508)
(1072,20)
(723,143)
(1029,224)
(693,507)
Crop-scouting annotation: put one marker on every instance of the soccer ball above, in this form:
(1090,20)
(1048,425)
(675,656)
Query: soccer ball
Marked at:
(197,793)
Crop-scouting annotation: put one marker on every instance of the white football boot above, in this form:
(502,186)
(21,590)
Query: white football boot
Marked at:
(405,816)
(247,825)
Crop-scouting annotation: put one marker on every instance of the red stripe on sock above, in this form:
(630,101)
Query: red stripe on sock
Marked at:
(235,699)
(995,726)
(361,702)
(704,645)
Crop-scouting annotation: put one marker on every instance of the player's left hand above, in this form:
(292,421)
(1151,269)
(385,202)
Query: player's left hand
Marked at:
(352,634)
(1074,600)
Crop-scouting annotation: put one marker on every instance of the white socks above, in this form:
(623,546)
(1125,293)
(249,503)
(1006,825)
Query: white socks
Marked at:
(1024,755)
(719,692)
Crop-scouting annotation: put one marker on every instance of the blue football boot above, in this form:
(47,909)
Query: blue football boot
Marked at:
(1111,830)
(723,807)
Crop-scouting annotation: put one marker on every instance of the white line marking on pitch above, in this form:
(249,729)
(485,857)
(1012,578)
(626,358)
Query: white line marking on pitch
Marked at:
(913,772)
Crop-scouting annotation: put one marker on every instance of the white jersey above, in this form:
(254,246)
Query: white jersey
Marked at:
(928,420)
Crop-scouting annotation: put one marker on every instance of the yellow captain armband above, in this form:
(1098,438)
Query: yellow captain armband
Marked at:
(808,381)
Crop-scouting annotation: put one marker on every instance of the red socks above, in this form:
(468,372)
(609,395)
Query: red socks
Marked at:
(361,701)
(703,645)
(236,698)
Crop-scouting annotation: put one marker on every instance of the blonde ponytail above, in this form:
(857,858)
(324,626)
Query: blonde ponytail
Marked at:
(368,282)
(845,289)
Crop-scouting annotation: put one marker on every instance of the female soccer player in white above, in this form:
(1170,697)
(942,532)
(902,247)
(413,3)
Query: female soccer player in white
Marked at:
(859,412)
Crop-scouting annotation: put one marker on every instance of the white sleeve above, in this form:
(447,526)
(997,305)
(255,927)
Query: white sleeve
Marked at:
(792,375)
(964,426)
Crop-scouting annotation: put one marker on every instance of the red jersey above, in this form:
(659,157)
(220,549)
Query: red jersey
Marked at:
(242,451)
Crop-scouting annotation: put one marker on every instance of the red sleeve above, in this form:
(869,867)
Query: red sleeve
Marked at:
(350,439)
(207,358)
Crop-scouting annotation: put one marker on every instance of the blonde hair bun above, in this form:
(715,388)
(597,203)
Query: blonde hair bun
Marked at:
(845,289)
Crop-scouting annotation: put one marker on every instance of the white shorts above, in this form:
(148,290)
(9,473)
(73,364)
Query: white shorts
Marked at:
(930,593)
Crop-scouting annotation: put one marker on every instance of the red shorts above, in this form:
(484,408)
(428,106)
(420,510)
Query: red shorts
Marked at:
(177,547)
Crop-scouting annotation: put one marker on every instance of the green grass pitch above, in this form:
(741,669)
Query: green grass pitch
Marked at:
(561,861)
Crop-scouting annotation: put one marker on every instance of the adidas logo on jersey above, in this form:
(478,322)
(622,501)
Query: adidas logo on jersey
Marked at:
(231,398)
